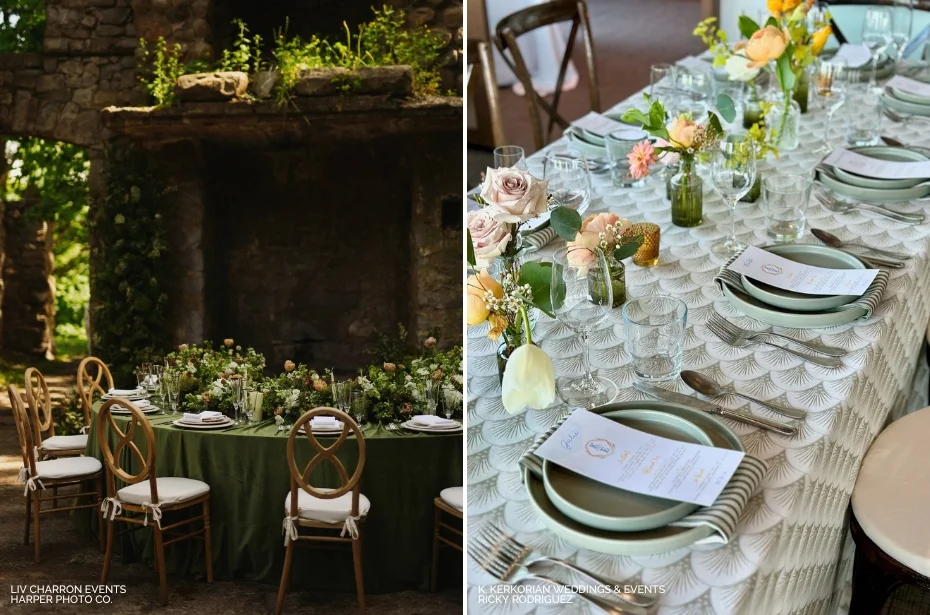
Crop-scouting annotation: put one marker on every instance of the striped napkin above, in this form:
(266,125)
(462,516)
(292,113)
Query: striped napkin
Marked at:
(721,516)
(869,299)
(539,239)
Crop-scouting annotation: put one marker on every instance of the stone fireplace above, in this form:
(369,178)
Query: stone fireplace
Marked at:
(300,233)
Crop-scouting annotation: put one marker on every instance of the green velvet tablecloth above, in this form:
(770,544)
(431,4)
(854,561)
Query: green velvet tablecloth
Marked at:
(247,471)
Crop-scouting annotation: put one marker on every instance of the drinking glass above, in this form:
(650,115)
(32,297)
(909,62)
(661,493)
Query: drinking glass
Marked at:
(140,378)
(864,126)
(655,333)
(432,391)
(569,182)
(877,33)
(734,171)
(694,90)
(662,85)
(158,373)
(172,387)
(451,403)
(235,386)
(830,83)
(146,372)
(509,156)
(582,296)
(357,406)
(784,203)
(901,24)
(619,144)
(347,395)
(338,391)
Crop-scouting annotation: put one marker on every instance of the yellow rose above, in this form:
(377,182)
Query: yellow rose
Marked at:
(478,284)
(765,45)
(774,7)
(819,39)
(681,132)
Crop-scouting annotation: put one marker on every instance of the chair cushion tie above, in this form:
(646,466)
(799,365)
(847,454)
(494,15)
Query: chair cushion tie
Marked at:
(111,506)
(289,529)
(156,513)
(350,527)
(29,481)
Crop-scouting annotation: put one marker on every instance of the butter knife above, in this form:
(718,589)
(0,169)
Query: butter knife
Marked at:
(700,404)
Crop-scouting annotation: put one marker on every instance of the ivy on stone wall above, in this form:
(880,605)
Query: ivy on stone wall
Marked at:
(129,307)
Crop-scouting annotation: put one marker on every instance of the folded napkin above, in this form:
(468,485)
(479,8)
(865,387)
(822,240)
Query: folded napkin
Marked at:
(122,392)
(142,404)
(869,299)
(207,416)
(537,240)
(721,516)
(324,420)
(433,421)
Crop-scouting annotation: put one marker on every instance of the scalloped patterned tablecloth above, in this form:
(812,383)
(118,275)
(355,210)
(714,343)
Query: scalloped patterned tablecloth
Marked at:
(791,554)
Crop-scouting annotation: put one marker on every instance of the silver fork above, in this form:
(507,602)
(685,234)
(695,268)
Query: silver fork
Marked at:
(741,341)
(898,117)
(842,207)
(832,351)
(508,570)
(493,535)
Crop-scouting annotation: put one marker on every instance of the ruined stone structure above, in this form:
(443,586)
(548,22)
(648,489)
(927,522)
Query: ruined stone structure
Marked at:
(299,233)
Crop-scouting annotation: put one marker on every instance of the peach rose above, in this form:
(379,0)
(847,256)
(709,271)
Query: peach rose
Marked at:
(513,195)
(478,284)
(228,342)
(429,342)
(320,385)
(289,366)
(765,45)
(583,251)
(489,237)
(390,367)
(681,131)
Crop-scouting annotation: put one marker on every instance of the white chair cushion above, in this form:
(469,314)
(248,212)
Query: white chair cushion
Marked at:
(171,490)
(328,511)
(453,496)
(69,467)
(65,443)
(893,490)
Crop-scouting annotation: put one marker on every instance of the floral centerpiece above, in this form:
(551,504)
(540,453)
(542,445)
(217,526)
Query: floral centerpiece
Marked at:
(612,235)
(205,373)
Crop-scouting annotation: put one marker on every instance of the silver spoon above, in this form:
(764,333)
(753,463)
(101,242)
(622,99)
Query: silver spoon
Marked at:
(709,388)
(835,242)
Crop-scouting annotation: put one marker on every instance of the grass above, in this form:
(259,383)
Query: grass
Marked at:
(70,346)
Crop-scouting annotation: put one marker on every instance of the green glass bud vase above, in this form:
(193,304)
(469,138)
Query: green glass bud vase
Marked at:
(752,112)
(686,192)
(617,281)
(802,89)
(755,192)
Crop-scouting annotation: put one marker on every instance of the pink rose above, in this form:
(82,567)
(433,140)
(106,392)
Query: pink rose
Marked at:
(429,342)
(513,195)
(583,251)
(667,157)
(489,237)
(598,223)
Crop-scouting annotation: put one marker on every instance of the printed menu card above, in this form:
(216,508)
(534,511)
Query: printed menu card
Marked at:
(782,273)
(875,167)
(626,458)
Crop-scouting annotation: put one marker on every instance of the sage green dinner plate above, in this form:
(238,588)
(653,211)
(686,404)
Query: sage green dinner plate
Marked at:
(874,195)
(904,106)
(588,149)
(882,152)
(761,311)
(602,506)
(908,97)
(814,255)
(647,542)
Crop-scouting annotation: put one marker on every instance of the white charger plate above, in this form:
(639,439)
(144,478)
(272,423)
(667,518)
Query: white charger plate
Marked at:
(414,427)
(204,426)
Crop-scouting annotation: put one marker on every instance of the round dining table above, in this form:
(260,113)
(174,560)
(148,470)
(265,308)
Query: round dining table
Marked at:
(246,468)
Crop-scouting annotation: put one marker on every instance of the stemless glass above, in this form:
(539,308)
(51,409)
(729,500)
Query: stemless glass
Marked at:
(655,333)
(784,202)
(734,171)
(830,82)
(509,156)
(694,90)
(569,182)
(582,296)
(877,33)
(662,85)
(619,144)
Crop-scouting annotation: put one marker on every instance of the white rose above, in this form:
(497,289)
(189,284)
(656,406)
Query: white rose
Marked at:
(489,237)
(529,380)
(737,68)
(513,195)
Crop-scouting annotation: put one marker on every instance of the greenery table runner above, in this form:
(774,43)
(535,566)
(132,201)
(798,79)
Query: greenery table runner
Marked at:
(246,468)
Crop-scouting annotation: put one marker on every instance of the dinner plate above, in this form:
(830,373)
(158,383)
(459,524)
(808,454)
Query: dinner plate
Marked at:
(145,410)
(602,506)
(875,195)
(647,542)
(817,256)
(761,311)
(204,426)
(881,152)
(414,427)
(906,96)
(589,150)
(896,104)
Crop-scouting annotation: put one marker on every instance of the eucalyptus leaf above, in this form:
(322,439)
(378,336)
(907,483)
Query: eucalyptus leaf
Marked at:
(539,276)
(566,222)
(726,107)
(714,122)
(628,249)
(469,249)
(747,27)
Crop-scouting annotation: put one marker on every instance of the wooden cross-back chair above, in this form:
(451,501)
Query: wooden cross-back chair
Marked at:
(93,375)
(485,95)
(40,406)
(449,502)
(306,506)
(145,493)
(40,475)
(510,28)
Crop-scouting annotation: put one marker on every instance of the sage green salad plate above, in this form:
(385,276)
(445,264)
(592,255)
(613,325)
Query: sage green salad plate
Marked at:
(880,152)
(582,142)
(780,317)
(906,96)
(873,195)
(645,542)
(906,107)
(602,506)
(816,256)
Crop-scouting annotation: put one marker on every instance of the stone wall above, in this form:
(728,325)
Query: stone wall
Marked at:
(446,17)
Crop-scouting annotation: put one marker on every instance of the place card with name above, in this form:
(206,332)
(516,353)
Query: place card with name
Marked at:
(626,458)
(873,167)
(911,86)
(600,125)
(782,273)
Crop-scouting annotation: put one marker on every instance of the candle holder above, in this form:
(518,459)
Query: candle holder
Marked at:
(648,253)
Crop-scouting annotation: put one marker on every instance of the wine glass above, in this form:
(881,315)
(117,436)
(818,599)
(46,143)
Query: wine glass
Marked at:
(662,85)
(582,296)
(451,403)
(876,33)
(694,90)
(358,407)
(432,389)
(172,387)
(569,182)
(733,173)
(235,385)
(509,156)
(901,23)
(158,374)
(830,83)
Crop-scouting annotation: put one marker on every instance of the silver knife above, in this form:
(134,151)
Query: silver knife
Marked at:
(700,404)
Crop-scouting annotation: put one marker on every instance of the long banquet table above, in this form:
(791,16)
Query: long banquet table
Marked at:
(247,471)
(791,553)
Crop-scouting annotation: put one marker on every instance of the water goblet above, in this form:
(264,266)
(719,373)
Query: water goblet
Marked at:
(432,390)
(733,173)
(451,403)
(830,82)
(582,296)
(694,91)
(172,387)
(877,34)
(902,19)
(569,182)
(662,85)
(158,373)
(358,407)
(235,386)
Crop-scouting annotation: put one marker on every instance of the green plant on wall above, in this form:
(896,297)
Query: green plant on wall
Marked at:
(129,310)
(246,52)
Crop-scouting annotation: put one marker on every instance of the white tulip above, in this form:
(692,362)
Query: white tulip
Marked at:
(737,68)
(529,380)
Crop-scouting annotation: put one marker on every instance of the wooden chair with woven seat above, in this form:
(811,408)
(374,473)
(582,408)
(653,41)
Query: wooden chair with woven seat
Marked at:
(91,376)
(306,506)
(40,406)
(55,473)
(145,494)
(482,89)
(510,28)
(450,501)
